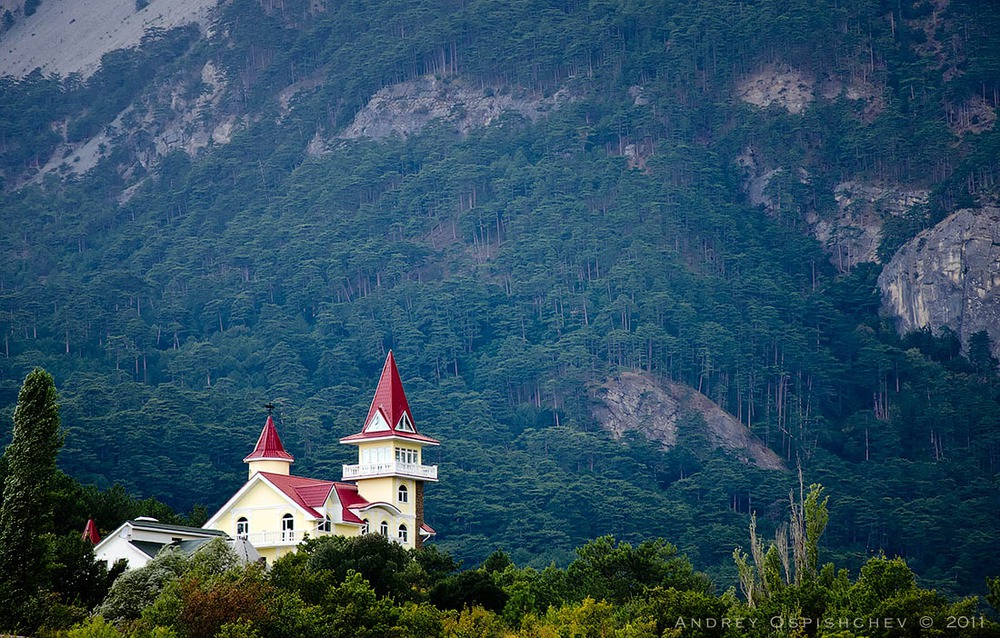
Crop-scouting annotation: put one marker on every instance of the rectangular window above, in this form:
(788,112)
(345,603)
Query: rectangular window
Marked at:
(407,455)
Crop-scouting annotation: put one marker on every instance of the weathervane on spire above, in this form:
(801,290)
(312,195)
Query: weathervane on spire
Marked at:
(270,408)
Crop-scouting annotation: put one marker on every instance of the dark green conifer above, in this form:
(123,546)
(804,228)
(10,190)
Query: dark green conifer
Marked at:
(26,512)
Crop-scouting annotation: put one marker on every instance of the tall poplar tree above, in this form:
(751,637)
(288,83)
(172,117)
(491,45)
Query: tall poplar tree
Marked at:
(26,512)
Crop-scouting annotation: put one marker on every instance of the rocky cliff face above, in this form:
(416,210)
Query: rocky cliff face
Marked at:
(405,108)
(948,275)
(851,234)
(70,36)
(637,402)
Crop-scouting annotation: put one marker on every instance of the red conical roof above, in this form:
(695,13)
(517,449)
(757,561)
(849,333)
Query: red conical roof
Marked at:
(90,532)
(389,414)
(269,445)
(389,397)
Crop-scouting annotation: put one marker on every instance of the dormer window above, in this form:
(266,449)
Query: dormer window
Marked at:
(403,495)
(405,425)
(377,424)
(242,527)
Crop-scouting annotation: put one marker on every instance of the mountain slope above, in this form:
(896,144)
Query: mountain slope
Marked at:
(511,262)
(67,37)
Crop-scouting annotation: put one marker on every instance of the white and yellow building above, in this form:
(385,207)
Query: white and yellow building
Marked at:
(275,510)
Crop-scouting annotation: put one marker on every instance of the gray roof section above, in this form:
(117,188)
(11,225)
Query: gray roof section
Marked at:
(147,547)
(166,527)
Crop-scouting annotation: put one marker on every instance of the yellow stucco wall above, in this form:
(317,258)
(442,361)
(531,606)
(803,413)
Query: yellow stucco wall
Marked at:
(264,507)
(377,515)
(378,489)
(275,467)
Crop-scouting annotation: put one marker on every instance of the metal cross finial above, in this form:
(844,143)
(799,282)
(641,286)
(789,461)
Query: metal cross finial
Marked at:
(270,408)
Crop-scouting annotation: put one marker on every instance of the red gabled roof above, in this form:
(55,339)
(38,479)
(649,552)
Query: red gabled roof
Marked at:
(90,532)
(312,494)
(390,404)
(269,445)
(349,497)
(427,529)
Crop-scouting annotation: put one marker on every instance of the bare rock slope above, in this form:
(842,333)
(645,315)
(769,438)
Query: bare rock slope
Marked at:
(637,402)
(850,234)
(948,275)
(405,108)
(70,36)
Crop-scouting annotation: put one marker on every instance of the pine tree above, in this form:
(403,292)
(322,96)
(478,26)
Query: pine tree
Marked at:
(981,354)
(26,511)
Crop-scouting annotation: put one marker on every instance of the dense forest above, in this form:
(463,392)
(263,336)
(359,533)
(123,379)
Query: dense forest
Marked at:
(367,585)
(512,266)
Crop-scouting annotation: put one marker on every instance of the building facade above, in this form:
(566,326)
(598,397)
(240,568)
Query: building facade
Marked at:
(381,494)
(139,540)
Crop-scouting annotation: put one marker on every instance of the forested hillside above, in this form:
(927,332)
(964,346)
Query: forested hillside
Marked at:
(234,245)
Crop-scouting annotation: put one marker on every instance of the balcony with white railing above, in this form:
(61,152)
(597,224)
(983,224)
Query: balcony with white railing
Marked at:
(274,539)
(391,468)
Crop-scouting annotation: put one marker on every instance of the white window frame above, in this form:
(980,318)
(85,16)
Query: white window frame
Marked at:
(403,534)
(403,494)
(242,527)
(407,455)
(405,425)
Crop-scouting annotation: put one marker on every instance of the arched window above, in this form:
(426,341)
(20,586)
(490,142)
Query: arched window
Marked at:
(287,528)
(402,533)
(403,496)
(365,527)
(326,525)
(242,527)
(383,529)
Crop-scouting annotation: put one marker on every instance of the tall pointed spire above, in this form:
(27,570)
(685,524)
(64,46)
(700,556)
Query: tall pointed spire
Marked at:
(389,402)
(90,532)
(389,414)
(269,454)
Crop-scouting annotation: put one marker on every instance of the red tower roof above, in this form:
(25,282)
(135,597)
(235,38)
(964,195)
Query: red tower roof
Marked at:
(389,414)
(269,445)
(90,532)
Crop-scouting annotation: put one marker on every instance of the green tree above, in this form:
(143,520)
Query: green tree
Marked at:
(137,589)
(617,572)
(981,354)
(994,596)
(26,514)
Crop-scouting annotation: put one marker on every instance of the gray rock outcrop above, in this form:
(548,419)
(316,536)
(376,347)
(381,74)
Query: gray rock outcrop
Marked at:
(853,235)
(403,109)
(638,402)
(948,275)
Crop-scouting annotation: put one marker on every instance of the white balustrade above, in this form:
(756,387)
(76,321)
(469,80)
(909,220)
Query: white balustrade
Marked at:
(270,539)
(365,470)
